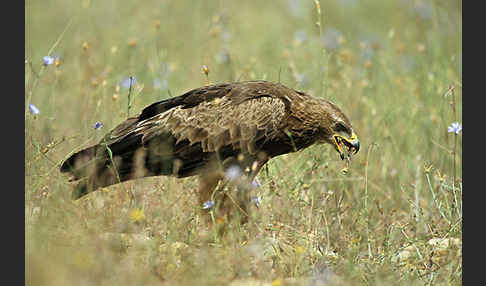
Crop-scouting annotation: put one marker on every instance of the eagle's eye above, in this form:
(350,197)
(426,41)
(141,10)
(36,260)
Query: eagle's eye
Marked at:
(340,127)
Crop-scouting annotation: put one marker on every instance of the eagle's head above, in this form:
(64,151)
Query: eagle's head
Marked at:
(336,129)
(344,136)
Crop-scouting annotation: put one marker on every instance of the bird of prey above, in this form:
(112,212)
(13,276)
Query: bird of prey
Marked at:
(207,131)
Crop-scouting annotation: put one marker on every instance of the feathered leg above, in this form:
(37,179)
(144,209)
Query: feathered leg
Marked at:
(247,168)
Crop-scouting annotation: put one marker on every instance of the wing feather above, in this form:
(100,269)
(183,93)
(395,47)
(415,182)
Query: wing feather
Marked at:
(213,116)
(223,122)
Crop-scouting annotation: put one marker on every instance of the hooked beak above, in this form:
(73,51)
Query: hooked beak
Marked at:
(341,141)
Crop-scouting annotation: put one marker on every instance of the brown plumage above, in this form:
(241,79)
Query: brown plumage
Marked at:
(207,130)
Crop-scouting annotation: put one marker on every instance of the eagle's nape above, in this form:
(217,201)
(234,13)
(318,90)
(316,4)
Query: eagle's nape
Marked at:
(206,130)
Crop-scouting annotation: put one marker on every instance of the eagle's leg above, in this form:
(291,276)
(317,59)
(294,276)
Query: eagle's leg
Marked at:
(244,190)
(240,199)
(257,165)
(237,197)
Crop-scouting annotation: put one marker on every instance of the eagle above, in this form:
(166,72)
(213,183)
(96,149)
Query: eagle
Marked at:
(209,131)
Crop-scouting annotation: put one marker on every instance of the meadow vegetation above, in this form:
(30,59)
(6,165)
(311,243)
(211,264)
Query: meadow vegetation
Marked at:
(394,67)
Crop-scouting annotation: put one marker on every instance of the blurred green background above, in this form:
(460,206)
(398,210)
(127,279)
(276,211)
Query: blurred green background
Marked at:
(394,67)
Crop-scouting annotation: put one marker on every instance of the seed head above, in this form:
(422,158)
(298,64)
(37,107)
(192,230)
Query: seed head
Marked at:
(205,69)
(132,43)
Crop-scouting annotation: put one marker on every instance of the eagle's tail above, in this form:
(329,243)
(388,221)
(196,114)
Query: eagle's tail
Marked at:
(101,165)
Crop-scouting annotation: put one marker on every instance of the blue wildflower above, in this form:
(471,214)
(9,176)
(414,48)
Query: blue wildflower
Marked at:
(455,127)
(349,3)
(164,69)
(300,36)
(369,44)
(32,109)
(226,36)
(423,10)
(233,173)
(98,125)
(299,77)
(128,81)
(331,39)
(256,200)
(161,83)
(222,57)
(408,62)
(256,183)
(296,8)
(207,204)
(367,53)
(48,60)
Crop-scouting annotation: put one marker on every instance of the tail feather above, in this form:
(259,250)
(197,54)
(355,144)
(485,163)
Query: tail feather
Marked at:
(77,159)
(94,168)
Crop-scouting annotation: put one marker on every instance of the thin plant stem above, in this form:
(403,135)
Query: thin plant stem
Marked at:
(366,201)
(452,87)
(435,199)
(455,134)
(322,79)
(110,154)
(416,191)
(129,105)
(42,68)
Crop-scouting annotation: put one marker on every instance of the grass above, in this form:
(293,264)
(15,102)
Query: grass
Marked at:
(395,67)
